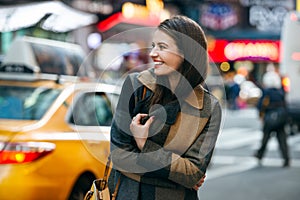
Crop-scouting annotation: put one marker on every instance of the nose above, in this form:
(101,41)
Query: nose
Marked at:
(153,53)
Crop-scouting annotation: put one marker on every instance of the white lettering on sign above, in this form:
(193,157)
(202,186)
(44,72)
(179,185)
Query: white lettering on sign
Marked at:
(240,50)
(267,19)
(289,4)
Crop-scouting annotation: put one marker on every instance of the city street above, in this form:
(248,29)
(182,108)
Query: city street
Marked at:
(236,175)
(62,69)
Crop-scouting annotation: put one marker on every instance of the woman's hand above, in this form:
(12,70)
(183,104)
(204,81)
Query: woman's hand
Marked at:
(140,131)
(197,186)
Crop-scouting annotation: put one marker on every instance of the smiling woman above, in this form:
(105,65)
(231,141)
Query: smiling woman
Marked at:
(166,155)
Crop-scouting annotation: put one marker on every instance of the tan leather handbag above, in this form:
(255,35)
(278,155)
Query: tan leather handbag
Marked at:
(99,189)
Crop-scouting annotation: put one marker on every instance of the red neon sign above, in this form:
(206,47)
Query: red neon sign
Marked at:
(216,50)
(254,50)
(119,18)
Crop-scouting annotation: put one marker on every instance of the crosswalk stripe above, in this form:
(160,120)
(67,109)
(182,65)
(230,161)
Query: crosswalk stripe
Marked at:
(237,137)
(233,138)
(236,164)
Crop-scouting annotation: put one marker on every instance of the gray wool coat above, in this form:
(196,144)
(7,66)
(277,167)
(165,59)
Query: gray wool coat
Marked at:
(179,147)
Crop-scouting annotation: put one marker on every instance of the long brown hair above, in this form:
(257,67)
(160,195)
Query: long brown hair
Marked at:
(191,41)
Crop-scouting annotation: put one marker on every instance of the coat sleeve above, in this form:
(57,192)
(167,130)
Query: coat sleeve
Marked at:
(186,169)
(123,147)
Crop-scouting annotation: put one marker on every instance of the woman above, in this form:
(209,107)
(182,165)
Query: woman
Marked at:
(166,125)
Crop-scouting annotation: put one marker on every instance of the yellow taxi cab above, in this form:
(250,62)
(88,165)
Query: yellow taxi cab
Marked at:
(54,133)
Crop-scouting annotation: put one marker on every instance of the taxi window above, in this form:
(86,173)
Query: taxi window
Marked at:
(92,109)
(25,103)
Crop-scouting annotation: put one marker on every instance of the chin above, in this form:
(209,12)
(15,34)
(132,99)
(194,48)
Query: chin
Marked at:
(161,71)
(158,72)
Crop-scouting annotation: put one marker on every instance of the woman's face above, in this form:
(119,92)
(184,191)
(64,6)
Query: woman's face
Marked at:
(165,54)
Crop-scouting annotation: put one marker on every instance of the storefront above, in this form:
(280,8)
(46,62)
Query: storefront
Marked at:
(243,62)
(243,36)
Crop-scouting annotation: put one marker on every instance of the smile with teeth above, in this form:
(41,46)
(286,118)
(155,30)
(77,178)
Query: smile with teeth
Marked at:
(158,63)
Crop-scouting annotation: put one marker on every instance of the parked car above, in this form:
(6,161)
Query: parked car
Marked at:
(54,132)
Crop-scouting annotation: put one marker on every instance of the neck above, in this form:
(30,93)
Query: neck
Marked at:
(174,80)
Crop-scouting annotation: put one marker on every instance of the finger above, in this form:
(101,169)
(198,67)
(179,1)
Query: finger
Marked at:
(196,188)
(203,178)
(201,181)
(149,121)
(139,116)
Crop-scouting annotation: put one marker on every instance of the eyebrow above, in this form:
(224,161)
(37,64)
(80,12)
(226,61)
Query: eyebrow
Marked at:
(159,43)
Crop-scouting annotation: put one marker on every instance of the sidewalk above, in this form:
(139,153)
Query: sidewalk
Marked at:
(247,117)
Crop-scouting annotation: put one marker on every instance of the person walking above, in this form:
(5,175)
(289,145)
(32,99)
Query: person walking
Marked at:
(272,110)
(166,124)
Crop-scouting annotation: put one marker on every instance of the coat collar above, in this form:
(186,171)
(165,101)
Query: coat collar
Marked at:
(195,98)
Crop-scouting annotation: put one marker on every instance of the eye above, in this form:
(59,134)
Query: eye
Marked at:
(161,47)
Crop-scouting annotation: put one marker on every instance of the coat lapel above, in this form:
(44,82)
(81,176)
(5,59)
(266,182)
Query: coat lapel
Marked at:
(195,98)
(181,136)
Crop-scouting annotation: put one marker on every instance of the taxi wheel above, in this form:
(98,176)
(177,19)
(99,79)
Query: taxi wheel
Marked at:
(81,187)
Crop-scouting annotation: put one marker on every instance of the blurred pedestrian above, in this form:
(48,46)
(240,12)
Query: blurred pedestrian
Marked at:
(232,90)
(166,124)
(272,110)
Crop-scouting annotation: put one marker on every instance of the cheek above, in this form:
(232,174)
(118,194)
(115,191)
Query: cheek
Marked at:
(174,61)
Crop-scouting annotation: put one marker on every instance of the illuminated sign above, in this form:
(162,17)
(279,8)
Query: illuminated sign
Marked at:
(253,50)
(268,15)
(130,10)
(153,7)
(150,15)
(267,19)
(218,16)
(216,50)
(268,3)
(118,18)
